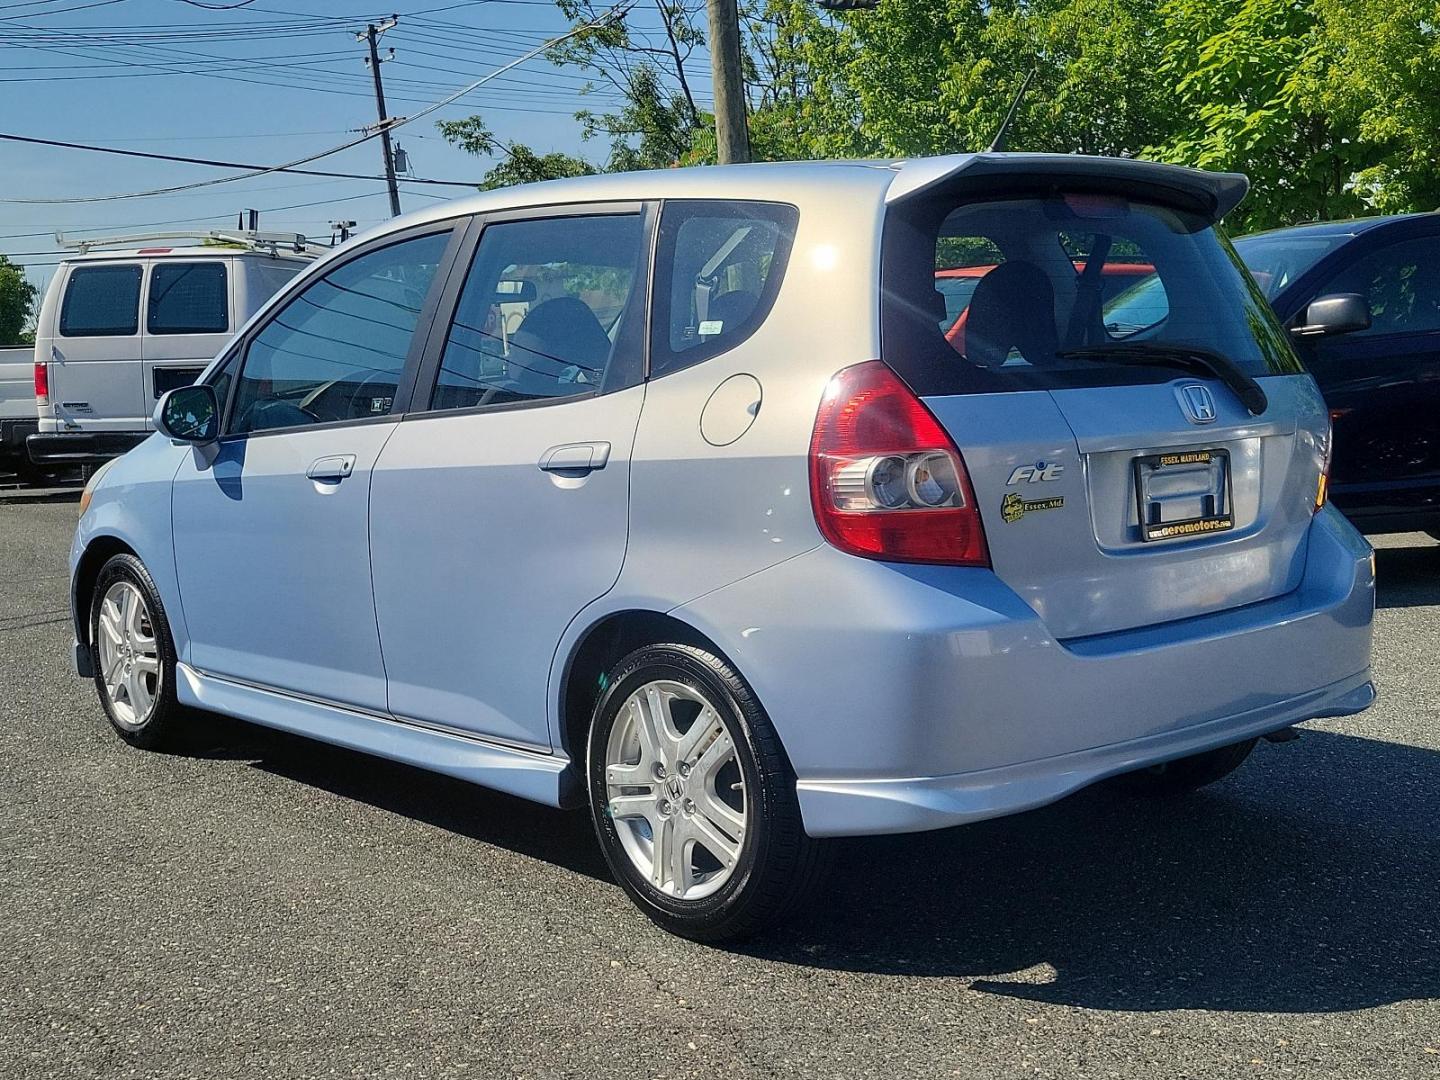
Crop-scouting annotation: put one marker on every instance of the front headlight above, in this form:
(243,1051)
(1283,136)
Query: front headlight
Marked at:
(92,484)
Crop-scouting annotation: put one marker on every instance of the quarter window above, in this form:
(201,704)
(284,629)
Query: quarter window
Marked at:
(1401,283)
(336,351)
(718,268)
(541,311)
(188,298)
(101,301)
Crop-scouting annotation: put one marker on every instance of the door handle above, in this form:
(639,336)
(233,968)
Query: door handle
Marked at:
(331,469)
(575,457)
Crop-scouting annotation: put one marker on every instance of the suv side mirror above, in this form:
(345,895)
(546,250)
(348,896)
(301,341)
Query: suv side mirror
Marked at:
(1338,313)
(189,414)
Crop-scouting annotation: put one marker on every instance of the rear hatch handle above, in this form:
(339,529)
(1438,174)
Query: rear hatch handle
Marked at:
(1189,357)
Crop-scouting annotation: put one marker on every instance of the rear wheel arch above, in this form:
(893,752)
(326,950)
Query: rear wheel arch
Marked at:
(599,649)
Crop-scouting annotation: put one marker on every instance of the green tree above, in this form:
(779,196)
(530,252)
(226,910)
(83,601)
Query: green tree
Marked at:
(17,304)
(1384,76)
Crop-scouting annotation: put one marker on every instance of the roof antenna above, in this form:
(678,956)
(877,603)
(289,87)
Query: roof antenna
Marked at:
(997,144)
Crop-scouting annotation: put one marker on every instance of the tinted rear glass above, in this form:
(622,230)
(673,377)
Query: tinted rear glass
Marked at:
(101,301)
(188,298)
(989,295)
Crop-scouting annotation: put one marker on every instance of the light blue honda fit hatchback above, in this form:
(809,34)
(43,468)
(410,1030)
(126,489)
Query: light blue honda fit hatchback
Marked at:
(688,496)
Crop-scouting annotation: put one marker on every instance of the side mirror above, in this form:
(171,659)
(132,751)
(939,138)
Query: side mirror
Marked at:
(1338,313)
(189,414)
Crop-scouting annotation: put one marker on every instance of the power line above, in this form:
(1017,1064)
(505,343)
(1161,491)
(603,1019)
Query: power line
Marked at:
(214,163)
(289,166)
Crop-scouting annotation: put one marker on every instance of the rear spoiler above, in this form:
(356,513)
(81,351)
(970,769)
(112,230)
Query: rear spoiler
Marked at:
(1212,194)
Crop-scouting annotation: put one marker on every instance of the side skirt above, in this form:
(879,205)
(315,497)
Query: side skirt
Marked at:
(539,777)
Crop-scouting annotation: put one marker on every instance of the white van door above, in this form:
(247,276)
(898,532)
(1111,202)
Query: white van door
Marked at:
(188,320)
(96,348)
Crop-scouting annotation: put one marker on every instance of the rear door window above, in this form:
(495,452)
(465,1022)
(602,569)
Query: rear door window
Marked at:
(101,301)
(541,311)
(718,267)
(1054,287)
(188,298)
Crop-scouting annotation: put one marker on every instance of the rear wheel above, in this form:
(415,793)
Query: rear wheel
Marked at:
(693,799)
(133,655)
(1188,773)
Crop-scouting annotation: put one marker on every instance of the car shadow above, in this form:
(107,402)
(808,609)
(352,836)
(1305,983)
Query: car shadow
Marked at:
(564,838)
(1306,882)
(1407,576)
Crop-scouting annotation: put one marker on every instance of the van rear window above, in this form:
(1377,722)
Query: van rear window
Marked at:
(101,301)
(188,298)
(1063,289)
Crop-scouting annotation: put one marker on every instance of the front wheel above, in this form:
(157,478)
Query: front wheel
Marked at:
(133,655)
(693,799)
(1188,773)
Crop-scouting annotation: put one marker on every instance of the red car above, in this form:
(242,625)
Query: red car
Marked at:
(957,285)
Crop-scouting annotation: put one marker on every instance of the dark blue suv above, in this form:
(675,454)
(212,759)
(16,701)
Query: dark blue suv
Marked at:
(1362,301)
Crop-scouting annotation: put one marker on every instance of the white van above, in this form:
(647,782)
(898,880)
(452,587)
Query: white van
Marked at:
(117,329)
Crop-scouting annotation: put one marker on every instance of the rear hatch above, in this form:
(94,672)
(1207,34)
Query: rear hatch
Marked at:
(1138,457)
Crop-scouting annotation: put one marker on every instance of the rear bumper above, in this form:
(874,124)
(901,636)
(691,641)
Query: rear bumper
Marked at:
(912,698)
(844,808)
(81,447)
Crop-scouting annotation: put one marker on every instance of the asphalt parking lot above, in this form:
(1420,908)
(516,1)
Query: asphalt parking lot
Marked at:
(269,907)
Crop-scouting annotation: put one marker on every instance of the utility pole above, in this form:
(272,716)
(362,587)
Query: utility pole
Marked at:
(732,134)
(371,34)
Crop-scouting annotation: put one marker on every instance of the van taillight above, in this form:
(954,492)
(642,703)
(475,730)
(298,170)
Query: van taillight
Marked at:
(42,384)
(886,481)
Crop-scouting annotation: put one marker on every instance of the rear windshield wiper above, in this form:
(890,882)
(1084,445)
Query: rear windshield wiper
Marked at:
(1191,357)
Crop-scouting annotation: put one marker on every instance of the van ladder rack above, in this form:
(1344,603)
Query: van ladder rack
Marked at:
(272,242)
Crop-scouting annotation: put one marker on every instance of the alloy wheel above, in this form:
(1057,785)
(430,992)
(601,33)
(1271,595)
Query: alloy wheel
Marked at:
(129,654)
(675,790)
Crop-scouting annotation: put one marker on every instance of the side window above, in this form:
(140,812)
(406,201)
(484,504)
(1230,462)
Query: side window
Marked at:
(1401,283)
(101,301)
(188,298)
(717,270)
(336,351)
(540,312)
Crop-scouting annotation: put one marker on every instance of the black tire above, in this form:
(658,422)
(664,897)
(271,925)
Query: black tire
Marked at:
(778,864)
(163,727)
(1187,774)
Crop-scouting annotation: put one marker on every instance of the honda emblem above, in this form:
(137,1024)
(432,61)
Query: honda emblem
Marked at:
(1199,406)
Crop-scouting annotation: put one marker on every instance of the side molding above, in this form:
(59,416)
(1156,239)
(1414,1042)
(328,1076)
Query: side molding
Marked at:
(539,777)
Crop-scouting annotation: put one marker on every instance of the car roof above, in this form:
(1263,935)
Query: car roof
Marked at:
(1347,227)
(888,181)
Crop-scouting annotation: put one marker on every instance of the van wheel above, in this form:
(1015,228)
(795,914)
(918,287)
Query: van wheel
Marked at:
(693,799)
(133,655)
(1188,773)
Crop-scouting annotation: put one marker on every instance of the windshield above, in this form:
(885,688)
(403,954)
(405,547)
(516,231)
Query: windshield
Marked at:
(1277,260)
(1046,276)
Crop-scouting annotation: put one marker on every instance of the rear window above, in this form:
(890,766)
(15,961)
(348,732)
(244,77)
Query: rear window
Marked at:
(718,267)
(188,298)
(997,294)
(101,301)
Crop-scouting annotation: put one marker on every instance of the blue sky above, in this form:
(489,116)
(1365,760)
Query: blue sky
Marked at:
(265,83)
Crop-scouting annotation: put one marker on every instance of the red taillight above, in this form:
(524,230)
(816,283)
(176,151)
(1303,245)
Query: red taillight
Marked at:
(886,481)
(42,384)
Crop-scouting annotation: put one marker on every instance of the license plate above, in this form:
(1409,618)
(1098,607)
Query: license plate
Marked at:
(1183,493)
